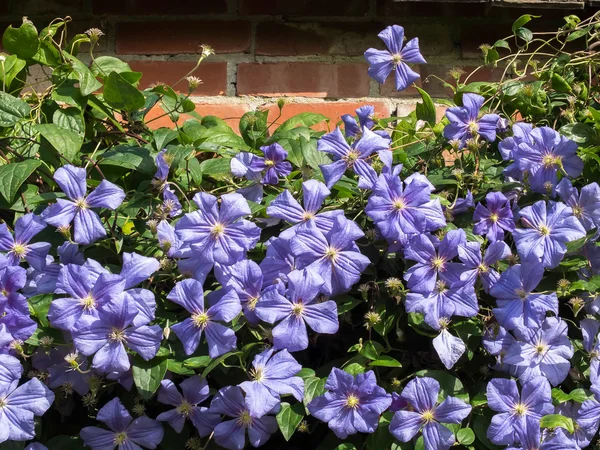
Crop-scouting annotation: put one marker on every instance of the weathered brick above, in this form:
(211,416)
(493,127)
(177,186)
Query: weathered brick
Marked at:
(392,8)
(388,89)
(305,7)
(436,88)
(153,7)
(213,75)
(308,79)
(185,36)
(473,35)
(34,8)
(329,38)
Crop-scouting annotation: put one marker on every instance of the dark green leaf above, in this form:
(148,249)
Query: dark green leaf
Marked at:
(525,34)
(465,436)
(22,41)
(354,368)
(65,142)
(87,80)
(197,362)
(178,368)
(525,18)
(385,361)
(501,43)
(105,65)
(577,34)
(12,110)
(65,443)
(559,84)
(216,168)
(147,375)
(313,387)
(121,94)
(39,306)
(305,119)
(426,110)
(133,158)
(288,418)
(371,350)
(13,175)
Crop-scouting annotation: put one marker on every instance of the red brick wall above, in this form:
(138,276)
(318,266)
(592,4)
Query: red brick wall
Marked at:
(309,51)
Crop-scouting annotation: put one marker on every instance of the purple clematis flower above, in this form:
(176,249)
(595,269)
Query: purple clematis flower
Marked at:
(465,122)
(219,234)
(105,337)
(474,266)
(88,227)
(274,164)
(514,410)
(355,157)
(169,242)
(448,347)
(171,204)
(272,375)
(426,415)
(585,205)
(586,429)
(125,432)
(591,344)
(189,294)
(496,340)
(296,310)
(231,434)
(518,306)
(509,148)
(543,351)
(404,209)
(382,62)
(20,404)
(460,206)
(66,369)
(365,120)
(195,390)
(12,280)
(495,218)
(278,262)
(352,404)
(286,207)
(432,263)
(548,153)
(532,439)
(334,256)
(19,248)
(548,228)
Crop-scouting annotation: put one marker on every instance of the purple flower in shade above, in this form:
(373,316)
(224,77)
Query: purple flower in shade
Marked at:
(496,340)
(465,122)
(384,62)
(243,166)
(548,228)
(219,234)
(543,351)
(20,404)
(105,337)
(461,205)
(286,207)
(518,306)
(272,375)
(585,206)
(246,279)
(431,263)
(88,227)
(19,248)
(36,446)
(278,262)
(231,434)
(356,157)
(168,240)
(334,255)
(426,415)
(189,294)
(398,402)
(514,409)
(352,404)
(66,371)
(495,218)
(85,295)
(195,390)
(509,148)
(443,302)
(273,164)
(171,203)
(404,209)
(475,267)
(546,154)
(586,429)
(365,120)
(297,309)
(125,432)
(531,439)
(12,280)
(162,166)
(591,344)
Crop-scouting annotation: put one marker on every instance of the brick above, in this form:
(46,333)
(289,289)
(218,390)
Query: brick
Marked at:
(305,7)
(4,6)
(308,79)
(392,8)
(230,113)
(435,87)
(329,38)
(52,8)
(153,7)
(473,35)
(388,89)
(185,36)
(213,75)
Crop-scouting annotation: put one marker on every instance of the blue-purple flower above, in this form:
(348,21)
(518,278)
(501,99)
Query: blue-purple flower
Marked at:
(18,247)
(474,266)
(465,122)
(124,431)
(171,204)
(586,424)
(278,262)
(509,148)
(585,205)
(194,390)
(78,209)
(495,218)
(424,414)
(382,62)
(352,404)
(296,310)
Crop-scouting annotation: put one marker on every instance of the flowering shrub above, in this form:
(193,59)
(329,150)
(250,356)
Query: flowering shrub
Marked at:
(393,283)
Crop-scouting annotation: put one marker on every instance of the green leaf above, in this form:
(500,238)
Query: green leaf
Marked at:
(22,41)
(217,168)
(197,362)
(578,33)
(501,43)
(133,158)
(426,110)
(559,84)
(65,142)
(288,418)
(305,119)
(525,18)
(345,446)
(253,127)
(215,137)
(87,80)
(313,387)
(39,306)
(215,363)
(103,66)
(178,368)
(13,175)
(354,368)
(385,361)
(122,95)
(64,442)
(12,110)
(465,436)
(525,34)
(557,421)
(147,375)
(371,350)
(305,372)
(581,133)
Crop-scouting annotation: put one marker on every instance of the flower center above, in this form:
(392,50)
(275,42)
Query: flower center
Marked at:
(540,348)
(544,230)
(307,216)
(549,160)
(494,217)
(331,254)
(440,287)
(4,292)
(88,303)
(298,309)
(217,230)
(251,303)
(116,335)
(81,203)
(244,419)
(71,360)
(352,401)
(257,374)
(520,409)
(19,250)
(437,263)
(473,127)
(2,402)
(269,163)
(351,157)
(427,416)
(200,319)
(399,204)
(185,408)
(120,438)
(397,59)
(577,211)
(483,268)
(520,292)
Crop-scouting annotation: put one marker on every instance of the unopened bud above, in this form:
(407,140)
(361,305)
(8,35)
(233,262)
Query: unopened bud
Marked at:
(94,34)
(193,83)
